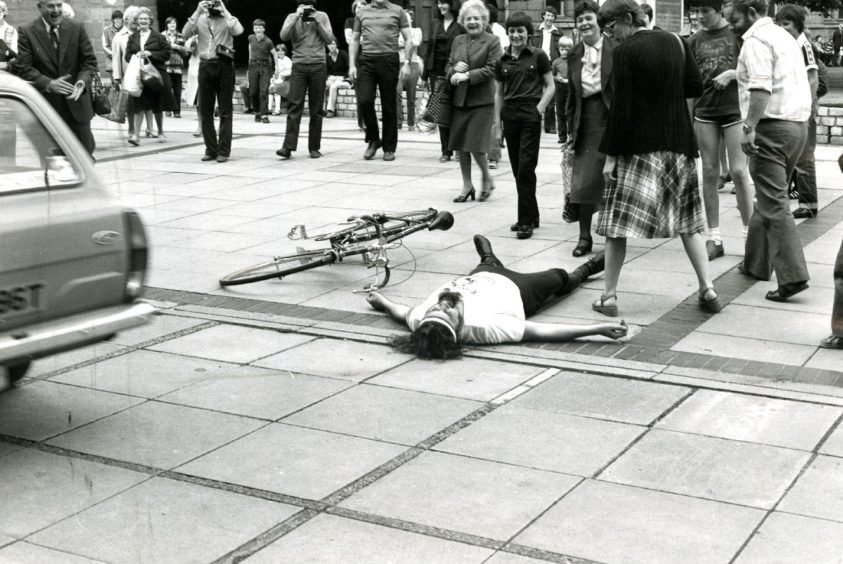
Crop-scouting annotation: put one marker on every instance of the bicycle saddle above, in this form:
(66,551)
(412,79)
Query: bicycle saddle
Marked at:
(443,221)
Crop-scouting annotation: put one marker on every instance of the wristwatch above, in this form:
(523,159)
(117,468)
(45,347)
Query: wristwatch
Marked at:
(748,128)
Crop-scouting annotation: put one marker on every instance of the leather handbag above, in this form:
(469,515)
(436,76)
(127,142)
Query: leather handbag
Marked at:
(439,104)
(99,97)
(150,77)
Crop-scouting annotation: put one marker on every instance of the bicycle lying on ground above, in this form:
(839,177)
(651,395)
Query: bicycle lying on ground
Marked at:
(368,235)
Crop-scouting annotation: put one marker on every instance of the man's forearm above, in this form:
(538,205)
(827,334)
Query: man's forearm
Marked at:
(758,100)
(289,25)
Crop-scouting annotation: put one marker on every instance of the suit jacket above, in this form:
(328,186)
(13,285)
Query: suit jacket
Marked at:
(158,46)
(454,30)
(574,104)
(555,34)
(39,64)
(481,55)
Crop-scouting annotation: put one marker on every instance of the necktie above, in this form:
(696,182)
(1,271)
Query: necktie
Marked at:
(54,37)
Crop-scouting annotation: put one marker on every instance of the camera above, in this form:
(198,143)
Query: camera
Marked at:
(307,12)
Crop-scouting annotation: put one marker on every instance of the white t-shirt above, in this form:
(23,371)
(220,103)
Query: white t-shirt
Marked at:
(493,310)
(807,52)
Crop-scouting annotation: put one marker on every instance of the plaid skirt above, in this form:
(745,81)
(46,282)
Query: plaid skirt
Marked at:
(656,196)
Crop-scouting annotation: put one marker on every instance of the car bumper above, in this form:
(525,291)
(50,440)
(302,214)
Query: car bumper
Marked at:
(42,339)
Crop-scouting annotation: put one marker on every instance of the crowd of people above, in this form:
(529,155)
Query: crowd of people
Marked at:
(637,108)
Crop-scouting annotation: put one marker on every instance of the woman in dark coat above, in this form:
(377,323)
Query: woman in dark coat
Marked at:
(471,71)
(157,49)
(444,29)
(589,99)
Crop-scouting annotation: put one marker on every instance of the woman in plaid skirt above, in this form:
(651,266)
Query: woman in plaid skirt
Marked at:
(651,177)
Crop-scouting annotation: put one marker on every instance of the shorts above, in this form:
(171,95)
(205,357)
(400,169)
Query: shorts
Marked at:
(724,121)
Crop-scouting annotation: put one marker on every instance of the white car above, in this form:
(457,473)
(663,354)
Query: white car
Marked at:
(72,261)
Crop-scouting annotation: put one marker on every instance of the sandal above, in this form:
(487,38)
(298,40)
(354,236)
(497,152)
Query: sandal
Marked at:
(486,191)
(713,305)
(583,247)
(785,291)
(600,305)
(832,342)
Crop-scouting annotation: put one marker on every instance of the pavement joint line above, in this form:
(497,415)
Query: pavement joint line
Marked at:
(539,554)
(525,387)
(266,538)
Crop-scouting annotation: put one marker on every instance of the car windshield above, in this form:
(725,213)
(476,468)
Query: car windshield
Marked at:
(30,158)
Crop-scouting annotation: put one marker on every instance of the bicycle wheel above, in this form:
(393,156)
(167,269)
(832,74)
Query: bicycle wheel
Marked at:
(279,267)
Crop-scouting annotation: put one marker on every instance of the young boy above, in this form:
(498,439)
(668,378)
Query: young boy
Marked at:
(261,67)
(560,75)
(524,90)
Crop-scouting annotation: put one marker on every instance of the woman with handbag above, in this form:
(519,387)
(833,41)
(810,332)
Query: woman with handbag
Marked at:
(157,94)
(589,98)
(471,71)
(444,30)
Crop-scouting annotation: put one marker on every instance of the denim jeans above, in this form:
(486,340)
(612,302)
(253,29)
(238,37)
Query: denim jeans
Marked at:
(381,72)
(310,79)
(806,169)
(259,74)
(772,244)
(216,87)
(522,129)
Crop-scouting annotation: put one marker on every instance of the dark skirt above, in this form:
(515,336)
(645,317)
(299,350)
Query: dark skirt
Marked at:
(587,176)
(156,101)
(470,129)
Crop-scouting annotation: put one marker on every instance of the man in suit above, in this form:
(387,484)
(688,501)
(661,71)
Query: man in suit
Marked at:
(56,56)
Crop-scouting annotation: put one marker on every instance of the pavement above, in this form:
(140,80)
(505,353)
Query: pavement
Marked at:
(272,422)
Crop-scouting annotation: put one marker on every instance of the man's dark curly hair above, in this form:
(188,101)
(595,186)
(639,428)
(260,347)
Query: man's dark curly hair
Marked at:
(430,341)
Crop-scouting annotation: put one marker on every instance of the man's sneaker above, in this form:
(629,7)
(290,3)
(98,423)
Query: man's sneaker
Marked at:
(265,119)
(793,193)
(805,213)
(714,249)
(284,153)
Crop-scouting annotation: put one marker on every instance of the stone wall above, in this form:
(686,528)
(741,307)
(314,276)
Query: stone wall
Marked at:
(830,125)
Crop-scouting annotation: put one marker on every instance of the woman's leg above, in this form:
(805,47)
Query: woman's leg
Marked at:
(465,170)
(708,138)
(585,241)
(739,171)
(483,163)
(159,122)
(615,255)
(135,138)
(695,249)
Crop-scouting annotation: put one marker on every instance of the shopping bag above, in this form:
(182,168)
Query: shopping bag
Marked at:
(421,106)
(570,212)
(131,78)
(439,104)
(150,77)
(119,101)
(99,97)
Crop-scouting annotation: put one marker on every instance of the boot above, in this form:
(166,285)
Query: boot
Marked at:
(484,250)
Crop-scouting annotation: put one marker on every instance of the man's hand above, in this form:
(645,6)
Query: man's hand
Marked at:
(352,73)
(723,79)
(614,330)
(498,133)
(78,89)
(748,143)
(61,86)
(609,176)
(461,67)
(458,77)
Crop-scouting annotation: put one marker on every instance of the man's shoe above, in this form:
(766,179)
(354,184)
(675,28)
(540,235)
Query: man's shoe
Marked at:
(517,226)
(786,291)
(315,154)
(444,158)
(388,156)
(484,250)
(793,193)
(264,119)
(493,164)
(805,213)
(284,153)
(168,114)
(411,127)
(371,150)
(222,159)
(257,118)
(525,232)
(177,115)
(329,114)
(400,125)
(207,157)
(714,249)
(249,111)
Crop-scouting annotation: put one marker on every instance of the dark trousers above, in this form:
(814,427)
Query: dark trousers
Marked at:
(310,79)
(522,128)
(772,243)
(381,72)
(537,287)
(560,100)
(444,132)
(806,169)
(837,310)
(259,74)
(82,130)
(216,87)
(550,119)
(175,81)
(247,97)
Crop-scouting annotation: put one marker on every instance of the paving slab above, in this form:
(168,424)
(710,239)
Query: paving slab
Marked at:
(613,523)
(327,538)
(478,497)
(710,468)
(785,538)
(165,521)
(24,552)
(834,444)
(819,491)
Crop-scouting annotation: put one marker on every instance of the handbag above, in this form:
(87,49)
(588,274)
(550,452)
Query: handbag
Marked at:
(570,212)
(131,78)
(99,97)
(119,101)
(150,77)
(439,104)
(421,107)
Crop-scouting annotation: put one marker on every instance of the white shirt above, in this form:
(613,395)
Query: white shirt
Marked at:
(771,60)
(493,311)
(283,67)
(499,32)
(547,38)
(591,63)
(807,52)
(9,34)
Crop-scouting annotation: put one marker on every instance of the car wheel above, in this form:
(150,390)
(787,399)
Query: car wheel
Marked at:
(14,372)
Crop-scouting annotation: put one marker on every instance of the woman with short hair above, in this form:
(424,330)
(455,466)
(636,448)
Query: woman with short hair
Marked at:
(175,66)
(444,29)
(650,172)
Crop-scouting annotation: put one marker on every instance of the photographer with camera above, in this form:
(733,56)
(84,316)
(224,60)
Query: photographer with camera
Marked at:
(215,27)
(310,32)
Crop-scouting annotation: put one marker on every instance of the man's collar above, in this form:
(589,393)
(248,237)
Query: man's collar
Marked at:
(760,22)
(551,29)
(48,26)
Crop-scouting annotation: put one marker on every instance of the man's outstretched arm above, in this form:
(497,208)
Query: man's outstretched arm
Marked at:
(399,312)
(560,332)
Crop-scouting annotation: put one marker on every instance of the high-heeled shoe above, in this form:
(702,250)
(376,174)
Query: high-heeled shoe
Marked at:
(486,191)
(151,134)
(161,137)
(583,247)
(134,141)
(463,197)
